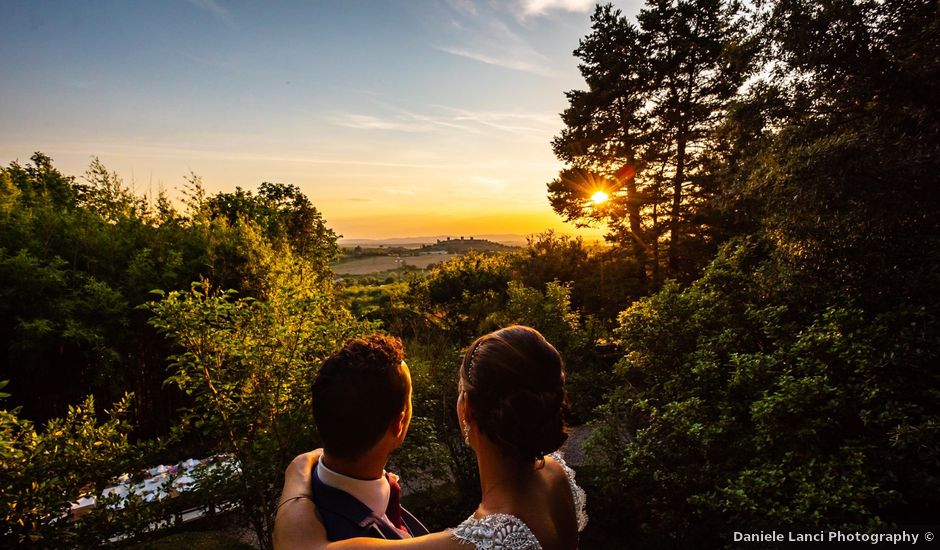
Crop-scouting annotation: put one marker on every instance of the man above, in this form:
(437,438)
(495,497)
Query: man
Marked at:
(362,409)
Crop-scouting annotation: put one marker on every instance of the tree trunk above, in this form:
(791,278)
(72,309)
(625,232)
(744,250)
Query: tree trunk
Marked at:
(633,216)
(676,206)
(657,275)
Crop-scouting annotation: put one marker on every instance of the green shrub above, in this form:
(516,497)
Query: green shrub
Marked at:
(247,365)
(734,410)
(44,469)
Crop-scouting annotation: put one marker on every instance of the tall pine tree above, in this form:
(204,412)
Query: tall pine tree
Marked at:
(656,93)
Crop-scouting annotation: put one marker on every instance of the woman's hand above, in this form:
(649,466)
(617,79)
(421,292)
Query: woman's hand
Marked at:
(299,475)
(296,524)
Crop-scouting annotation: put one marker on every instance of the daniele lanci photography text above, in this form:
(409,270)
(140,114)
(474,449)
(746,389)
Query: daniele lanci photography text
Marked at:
(902,537)
(449,274)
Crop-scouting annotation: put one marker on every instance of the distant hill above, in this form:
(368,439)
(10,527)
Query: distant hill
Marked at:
(416,242)
(461,245)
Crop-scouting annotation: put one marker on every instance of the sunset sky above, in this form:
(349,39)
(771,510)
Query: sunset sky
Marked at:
(397,119)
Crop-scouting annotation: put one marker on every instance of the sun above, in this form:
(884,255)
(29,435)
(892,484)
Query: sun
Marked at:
(599,197)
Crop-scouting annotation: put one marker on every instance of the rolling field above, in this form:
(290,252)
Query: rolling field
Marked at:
(379,264)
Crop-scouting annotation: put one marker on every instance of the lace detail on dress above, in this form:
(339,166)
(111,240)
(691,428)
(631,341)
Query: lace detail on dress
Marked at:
(580,498)
(496,532)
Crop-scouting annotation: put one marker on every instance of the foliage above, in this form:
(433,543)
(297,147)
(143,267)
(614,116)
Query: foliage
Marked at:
(247,365)
(643,129)
(76,257)
(786,385)
(550,313)
(434,458)
(733,410)
(50,313)
(377,301)
(603,281)
(463,292)
(284,216)
(202,540)
(789,380)
(435,461)
(837,147)
(43,470)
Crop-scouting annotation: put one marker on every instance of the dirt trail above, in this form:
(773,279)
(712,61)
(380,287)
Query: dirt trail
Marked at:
(573,449)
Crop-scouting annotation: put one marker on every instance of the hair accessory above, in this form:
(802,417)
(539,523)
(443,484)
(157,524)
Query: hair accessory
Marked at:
(470,365)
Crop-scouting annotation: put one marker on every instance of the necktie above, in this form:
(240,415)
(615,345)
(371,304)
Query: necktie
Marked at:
(393,512)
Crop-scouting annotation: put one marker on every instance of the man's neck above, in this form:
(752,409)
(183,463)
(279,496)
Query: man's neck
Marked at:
(369,466)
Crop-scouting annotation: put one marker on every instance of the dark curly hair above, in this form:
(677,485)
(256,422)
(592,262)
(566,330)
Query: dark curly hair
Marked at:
(514,381)
(357,393)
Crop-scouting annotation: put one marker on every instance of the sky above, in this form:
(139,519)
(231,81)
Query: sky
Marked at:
(397,119)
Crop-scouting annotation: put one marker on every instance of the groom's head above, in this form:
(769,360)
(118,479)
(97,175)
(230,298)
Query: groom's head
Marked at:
(362,398)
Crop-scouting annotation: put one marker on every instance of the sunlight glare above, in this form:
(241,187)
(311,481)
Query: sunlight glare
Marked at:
(599,197)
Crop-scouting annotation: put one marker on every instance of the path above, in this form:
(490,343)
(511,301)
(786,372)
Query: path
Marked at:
(573,449)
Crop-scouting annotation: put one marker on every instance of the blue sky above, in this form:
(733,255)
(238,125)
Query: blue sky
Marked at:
(395,118)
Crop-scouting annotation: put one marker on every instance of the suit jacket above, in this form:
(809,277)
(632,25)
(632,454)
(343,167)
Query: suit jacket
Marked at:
(346,517)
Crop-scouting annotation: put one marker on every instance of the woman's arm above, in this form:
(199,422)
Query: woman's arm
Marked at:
(296,524)
(434,541)
(298,527)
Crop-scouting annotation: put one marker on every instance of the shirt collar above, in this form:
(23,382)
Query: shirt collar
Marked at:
(374,493)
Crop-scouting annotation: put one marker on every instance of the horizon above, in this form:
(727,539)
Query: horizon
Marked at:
(431,118)
(501,238)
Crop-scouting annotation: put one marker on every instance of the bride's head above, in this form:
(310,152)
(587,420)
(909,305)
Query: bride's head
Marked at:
(512,391)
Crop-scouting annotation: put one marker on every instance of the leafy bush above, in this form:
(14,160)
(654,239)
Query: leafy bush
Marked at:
(734,409)
(247,364)
(44,470)
(576,338)
(194,541)
(463,292)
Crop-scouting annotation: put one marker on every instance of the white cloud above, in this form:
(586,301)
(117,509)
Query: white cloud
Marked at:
(465,7)
(487,181)
(216,9)
(480,32)
(532,125)
(539,7)
(525,123)
(367,122)
(500,61)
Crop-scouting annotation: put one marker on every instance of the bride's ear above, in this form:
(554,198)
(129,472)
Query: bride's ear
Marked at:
(463,409)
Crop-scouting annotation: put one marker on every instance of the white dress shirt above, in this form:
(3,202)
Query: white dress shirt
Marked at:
(374,493)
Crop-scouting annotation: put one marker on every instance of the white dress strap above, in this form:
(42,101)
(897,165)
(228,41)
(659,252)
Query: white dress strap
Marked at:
(577,493)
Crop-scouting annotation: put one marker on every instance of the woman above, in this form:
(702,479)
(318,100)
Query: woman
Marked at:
(511,407)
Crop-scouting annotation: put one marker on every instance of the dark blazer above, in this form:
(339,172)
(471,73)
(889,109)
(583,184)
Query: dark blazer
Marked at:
(345,517)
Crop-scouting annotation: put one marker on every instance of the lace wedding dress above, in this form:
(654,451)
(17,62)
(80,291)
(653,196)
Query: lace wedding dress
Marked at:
(507,532)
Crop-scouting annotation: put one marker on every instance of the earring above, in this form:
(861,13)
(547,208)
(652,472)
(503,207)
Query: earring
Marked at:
(466,433)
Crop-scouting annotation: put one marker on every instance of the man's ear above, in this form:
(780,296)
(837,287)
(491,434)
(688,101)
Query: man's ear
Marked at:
(398,426)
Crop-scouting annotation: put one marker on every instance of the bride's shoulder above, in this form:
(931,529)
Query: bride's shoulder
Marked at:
(496,531)
(557,466)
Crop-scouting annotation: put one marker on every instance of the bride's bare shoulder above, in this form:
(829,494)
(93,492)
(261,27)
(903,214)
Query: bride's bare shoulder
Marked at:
(555,468)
